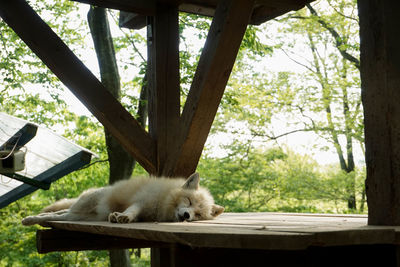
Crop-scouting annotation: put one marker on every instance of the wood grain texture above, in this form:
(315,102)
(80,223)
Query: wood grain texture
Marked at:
(380,75)
(164,82)
(268,231)
(75,75)
(212,74)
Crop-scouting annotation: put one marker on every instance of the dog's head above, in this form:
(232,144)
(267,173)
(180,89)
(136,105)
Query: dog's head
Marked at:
(195,203)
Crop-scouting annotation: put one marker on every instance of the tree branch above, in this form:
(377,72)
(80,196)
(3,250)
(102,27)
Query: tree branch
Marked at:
(336,36)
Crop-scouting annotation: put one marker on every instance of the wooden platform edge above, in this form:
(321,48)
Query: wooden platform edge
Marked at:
(51,240)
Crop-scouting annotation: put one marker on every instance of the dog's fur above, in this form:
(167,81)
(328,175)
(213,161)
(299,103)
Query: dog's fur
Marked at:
(137,199)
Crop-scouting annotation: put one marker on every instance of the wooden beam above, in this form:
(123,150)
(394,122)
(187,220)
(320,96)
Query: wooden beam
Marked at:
(78,78)
(144,7)
(61,240)
(164,82)
(264,10)
(132,21)
(380,84)
(212,74)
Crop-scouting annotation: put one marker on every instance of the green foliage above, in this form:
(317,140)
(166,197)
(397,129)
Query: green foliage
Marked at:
(250,176)
(251,179)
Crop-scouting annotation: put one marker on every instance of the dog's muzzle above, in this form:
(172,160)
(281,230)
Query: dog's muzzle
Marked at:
(183,217)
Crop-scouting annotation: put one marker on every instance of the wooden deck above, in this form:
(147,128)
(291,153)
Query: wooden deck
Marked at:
(269,231)
(239,239)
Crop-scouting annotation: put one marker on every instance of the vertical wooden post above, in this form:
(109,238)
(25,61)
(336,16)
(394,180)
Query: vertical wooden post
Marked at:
(164,81)
(213,70)
(380,76)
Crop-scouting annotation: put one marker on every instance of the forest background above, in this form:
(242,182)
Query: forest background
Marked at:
(296,78)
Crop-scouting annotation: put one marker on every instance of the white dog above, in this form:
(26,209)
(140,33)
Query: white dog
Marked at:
(137,199)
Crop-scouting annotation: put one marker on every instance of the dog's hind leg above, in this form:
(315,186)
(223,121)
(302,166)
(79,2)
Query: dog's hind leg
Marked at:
(64,215)
(53,213)
(129,215)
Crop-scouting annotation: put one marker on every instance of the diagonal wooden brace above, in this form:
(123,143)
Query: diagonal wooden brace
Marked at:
(215,65)
(80,80)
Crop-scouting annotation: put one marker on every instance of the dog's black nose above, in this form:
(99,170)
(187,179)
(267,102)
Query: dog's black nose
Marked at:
(186,215)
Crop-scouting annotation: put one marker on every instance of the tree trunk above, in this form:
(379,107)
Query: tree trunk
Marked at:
(351,202)
(348,166)
(121,162)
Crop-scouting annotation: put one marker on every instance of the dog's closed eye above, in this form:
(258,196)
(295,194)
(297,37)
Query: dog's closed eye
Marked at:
(190,202)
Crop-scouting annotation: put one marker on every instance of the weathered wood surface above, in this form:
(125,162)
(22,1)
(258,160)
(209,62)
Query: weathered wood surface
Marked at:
(215,65)
(269,231)
(80,80)
(164,82)
(380,75)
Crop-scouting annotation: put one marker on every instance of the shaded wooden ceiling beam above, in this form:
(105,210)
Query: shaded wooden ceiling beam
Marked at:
(144,7)
(214,68)
(78,78)
(164,82)
(264,10)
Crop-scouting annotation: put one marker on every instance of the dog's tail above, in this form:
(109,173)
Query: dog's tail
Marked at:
(61,204)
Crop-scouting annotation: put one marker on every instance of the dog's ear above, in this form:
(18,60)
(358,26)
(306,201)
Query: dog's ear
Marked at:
(216,210)
(192,182)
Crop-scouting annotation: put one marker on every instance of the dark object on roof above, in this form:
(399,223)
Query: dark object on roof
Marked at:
(48,157)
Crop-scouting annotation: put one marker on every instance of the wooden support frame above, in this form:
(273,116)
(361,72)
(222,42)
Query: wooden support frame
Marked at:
(74,74)
(163,82)
(61,240)
(380,76)
(215,65)
(248,239)
(175,142)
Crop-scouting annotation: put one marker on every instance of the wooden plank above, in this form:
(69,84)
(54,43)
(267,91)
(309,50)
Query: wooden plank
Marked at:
(164,82)
(212,74)
(272,9)
(144,7)
(75,75)
(199,243)
(132,21)
(380,76)
(60,240)
(204,10)
(270,231)
(190,235)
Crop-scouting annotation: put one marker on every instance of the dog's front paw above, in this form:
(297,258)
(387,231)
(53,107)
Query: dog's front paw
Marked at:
(112,217)
(117,217)
(123,218)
